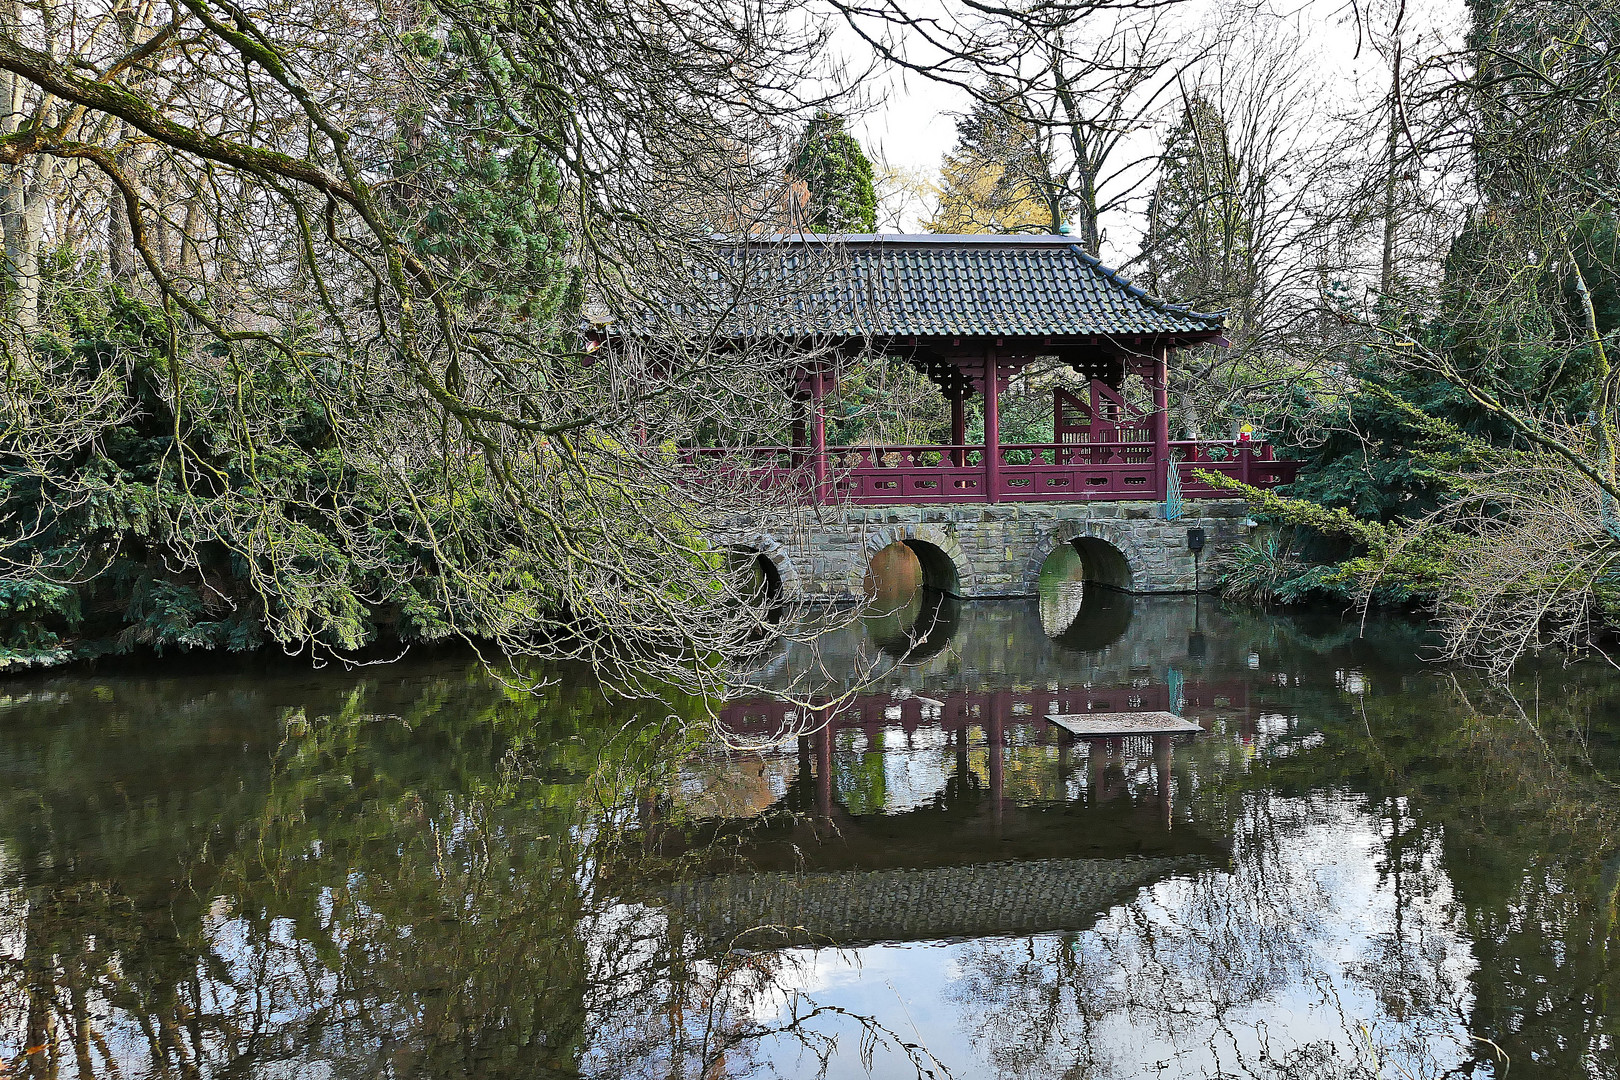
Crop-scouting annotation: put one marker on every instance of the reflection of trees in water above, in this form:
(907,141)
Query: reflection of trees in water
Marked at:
(919,628)
(1100,619)
(1191,974)
(1496,916)
(859,774)
(1531,843)
(419,877)
(1079,614)
(413,884)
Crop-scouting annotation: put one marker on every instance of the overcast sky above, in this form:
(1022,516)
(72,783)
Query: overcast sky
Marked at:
(910,124)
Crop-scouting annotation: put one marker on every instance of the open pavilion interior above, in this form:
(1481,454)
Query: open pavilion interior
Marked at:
(971,313)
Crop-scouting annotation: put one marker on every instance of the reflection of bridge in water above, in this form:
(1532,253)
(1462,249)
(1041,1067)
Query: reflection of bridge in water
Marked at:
(885,829)
(945,678)
(756,720)
(939,802)
(907,821)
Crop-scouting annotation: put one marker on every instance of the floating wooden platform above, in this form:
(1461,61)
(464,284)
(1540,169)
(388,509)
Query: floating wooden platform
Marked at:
(1116,724)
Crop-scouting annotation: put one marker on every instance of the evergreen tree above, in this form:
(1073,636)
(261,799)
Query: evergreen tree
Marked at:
(1198,246)
(1510,320)
(998,178)
(1198,251)
(1543,133)
(479,198)
(837,176)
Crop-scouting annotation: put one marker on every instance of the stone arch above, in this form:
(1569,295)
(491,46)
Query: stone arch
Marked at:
(1108,549)
(945,566)
(776,554)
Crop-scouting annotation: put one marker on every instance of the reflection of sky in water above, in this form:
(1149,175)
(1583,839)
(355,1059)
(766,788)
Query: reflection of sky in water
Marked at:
(912,775)
(1273,969)
(1060,605)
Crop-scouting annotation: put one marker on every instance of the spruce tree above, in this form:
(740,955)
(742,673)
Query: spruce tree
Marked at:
(837,176)
(999,177)
(480,199)
(1197,249)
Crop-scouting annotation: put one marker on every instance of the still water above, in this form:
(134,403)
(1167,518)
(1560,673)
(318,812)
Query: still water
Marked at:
(1367,866)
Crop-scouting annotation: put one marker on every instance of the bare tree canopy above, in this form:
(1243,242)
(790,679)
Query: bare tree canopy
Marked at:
(297,298)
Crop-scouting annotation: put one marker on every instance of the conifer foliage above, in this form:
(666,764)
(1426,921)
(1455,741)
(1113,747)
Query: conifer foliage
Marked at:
(837,176)
(304,320)
(998,178)
(1197,245)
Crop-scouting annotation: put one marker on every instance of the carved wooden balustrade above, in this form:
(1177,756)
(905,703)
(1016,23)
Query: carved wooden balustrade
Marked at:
(1030,472)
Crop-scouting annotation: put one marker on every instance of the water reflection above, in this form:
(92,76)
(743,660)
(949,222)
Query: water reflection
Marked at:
(917,629)
(408,871)
(1060,604)
(1084,615)
(1267,921)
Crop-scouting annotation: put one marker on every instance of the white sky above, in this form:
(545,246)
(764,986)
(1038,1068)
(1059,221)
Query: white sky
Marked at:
(910,124)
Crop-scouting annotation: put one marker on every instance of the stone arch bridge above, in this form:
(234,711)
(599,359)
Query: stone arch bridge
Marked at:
(996,550)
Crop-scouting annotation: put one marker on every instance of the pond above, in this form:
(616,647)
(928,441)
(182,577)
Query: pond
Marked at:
(1366,865)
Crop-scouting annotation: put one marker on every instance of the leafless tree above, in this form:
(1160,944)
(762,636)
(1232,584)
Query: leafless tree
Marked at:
(312,197)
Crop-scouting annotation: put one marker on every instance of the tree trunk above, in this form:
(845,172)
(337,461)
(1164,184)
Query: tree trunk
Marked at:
(22,217)
(1085,169)
(120,240)
(19,274)
(189,257)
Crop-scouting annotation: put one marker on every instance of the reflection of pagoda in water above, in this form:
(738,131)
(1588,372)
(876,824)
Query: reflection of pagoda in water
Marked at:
(940,803)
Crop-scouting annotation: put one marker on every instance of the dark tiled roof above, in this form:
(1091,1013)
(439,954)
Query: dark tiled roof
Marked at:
(893,285)
(852,907)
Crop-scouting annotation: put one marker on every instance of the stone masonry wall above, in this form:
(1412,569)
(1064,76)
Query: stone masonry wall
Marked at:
(998,550)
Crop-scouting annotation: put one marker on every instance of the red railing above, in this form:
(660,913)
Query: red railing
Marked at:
(1030,472)
(898,474)
(1069,472)
(767,718)
(1250,463)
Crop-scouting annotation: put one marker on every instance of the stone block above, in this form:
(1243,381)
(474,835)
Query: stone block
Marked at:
(1223,508)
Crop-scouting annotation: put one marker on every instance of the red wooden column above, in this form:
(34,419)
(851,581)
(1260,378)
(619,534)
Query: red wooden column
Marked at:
(992,428)
(995,733)
(819,433)
(801,434)
(959,427)
(1161,417)
(1161,767)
